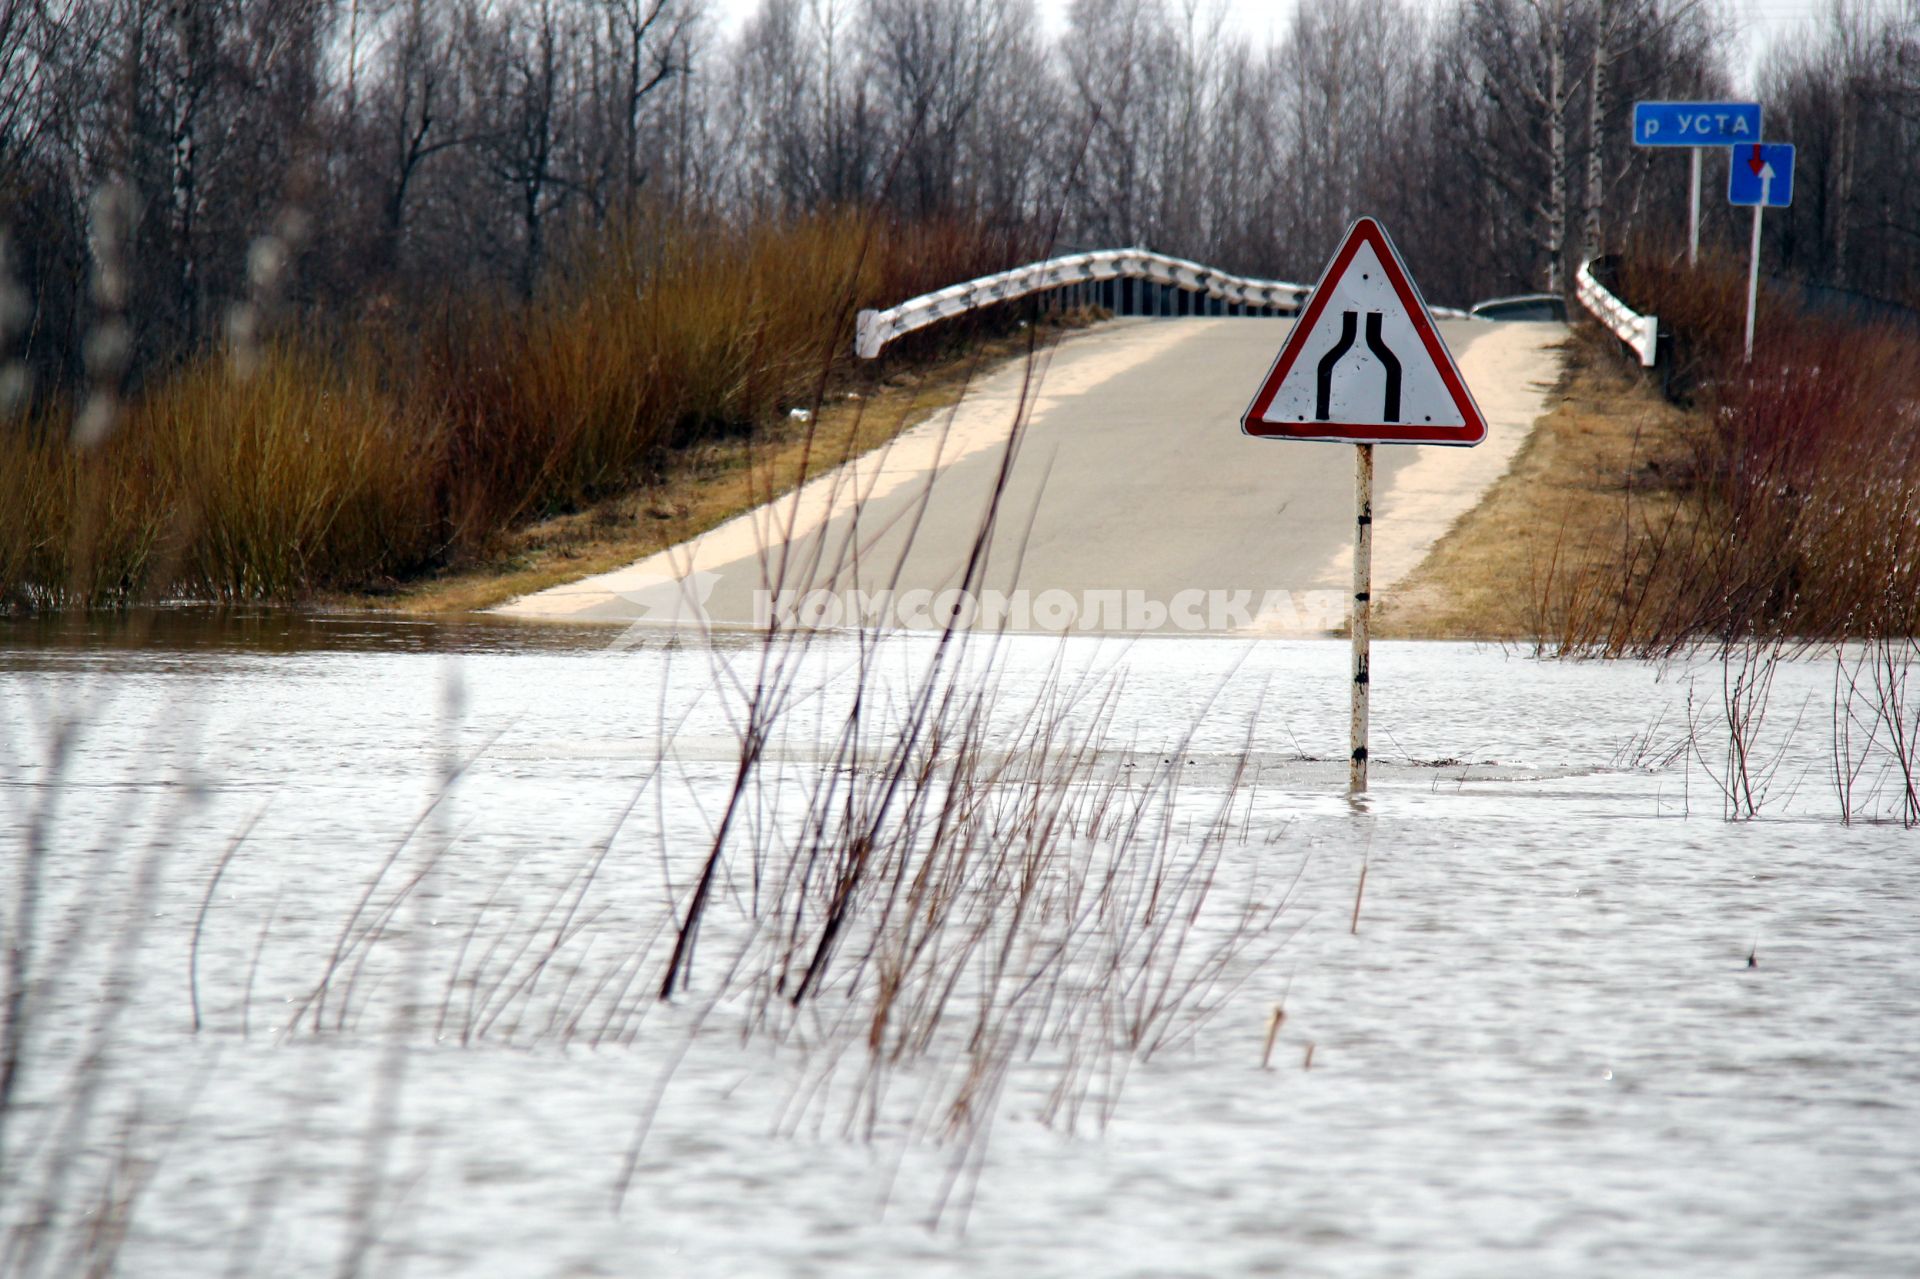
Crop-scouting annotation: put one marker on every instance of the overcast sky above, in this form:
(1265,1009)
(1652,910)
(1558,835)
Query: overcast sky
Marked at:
(1764,19)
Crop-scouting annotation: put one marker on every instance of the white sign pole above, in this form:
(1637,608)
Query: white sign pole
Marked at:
(1753,262)
(1693,221)
(1362,611)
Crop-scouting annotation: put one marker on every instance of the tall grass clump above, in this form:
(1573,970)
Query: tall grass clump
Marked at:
(335,460)
(220,487)
(662,334)
(301,473)
(1799,511)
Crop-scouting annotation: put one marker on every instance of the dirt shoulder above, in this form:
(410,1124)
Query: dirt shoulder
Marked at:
(1595,480)
(702,487)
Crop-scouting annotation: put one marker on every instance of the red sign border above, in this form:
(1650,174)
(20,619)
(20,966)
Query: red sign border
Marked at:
(1473,431)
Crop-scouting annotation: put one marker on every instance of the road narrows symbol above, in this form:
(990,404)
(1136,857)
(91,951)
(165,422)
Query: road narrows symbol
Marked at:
(1389,362)
(1323,387)
(1323,381)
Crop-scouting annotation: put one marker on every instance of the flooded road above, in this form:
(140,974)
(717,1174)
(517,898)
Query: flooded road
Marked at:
(1574,1021)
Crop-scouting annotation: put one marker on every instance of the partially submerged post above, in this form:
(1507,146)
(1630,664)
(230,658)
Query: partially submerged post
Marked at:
(1385,380)
(1362,612)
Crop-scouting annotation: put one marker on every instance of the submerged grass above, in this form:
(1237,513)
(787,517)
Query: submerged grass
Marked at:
(919,891)
(341,463)
(1774,510)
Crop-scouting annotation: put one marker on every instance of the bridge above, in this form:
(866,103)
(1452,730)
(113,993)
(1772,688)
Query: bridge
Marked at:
(1105,486)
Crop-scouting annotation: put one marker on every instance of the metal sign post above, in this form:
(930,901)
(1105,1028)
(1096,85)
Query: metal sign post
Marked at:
(1695,125)
(1760,175)
(1693,215)
(1362,614)
(1364,365)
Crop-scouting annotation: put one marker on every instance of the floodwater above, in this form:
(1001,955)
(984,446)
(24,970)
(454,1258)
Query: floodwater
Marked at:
(1580,1022)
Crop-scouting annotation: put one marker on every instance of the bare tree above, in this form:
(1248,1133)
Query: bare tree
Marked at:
(651,39)
(438,144)
(418,104)
(1848,95)
(811,134)
(1639,46)
(1517,71)
(931,67)
(527,91)
(1341,78)
(1114,56)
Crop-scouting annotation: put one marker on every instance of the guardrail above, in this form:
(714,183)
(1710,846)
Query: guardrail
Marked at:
(1085,272)
(1640,332)
(1095,278)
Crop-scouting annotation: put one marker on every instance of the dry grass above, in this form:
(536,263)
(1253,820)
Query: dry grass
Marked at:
(1782,502)
(1806,477)
(335,465)
(701,486)
(218,487)
(953,890)
(1592,488)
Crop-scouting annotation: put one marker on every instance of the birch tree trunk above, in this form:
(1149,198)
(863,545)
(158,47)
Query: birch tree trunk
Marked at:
(1556,211)
(1597,129)
(183,191)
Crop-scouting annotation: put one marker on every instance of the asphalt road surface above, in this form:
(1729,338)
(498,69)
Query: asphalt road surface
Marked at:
(1117,493)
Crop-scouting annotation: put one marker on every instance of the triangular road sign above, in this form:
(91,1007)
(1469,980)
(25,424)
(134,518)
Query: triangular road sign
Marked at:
(1364,364)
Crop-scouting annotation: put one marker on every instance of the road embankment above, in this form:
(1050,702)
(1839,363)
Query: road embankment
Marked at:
(1601,473)
(1101,485)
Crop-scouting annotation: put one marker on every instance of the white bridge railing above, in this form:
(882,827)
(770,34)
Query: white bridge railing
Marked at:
(1640,332)
(1079,271)
(1083,276)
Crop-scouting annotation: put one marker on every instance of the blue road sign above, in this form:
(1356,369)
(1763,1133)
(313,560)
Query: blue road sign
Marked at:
(1695,124)
(1761,174)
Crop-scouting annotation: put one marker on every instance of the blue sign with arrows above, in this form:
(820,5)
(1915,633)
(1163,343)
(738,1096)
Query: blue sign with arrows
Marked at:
(1695,124)
(1761,174)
